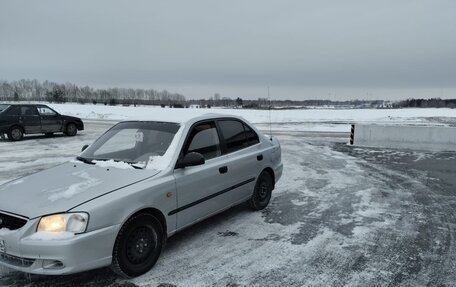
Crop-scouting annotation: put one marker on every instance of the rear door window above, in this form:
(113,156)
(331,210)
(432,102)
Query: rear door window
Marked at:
(234,135)
(252,137)
(14,111)
(45,111)
(28,111)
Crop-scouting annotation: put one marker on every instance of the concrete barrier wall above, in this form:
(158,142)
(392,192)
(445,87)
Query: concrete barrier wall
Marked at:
(411,137)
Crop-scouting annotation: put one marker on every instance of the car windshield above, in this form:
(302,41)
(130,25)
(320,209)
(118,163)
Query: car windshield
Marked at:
(3,107)
(138,144)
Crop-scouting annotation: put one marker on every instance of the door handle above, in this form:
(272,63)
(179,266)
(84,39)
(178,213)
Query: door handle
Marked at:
(259,157)
(223,169)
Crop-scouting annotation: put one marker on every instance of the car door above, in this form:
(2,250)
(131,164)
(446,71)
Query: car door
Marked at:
(202,190)
(245,156)
(51,121)
(30,120)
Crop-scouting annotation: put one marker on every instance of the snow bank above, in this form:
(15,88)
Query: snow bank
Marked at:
(383,116)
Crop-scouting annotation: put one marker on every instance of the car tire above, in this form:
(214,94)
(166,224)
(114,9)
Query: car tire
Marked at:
(138,246)
(16,133)
(71,129)
(262,191)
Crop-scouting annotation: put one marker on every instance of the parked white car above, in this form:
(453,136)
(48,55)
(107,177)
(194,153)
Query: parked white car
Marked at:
(135,186)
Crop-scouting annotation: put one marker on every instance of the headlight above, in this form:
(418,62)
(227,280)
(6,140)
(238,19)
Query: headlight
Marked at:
(67,222)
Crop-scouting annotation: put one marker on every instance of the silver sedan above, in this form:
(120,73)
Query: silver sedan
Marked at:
(125,194)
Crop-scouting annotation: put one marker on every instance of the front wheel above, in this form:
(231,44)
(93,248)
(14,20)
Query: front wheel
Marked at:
(262,192)
(138,246)
(15,134)
(71,129)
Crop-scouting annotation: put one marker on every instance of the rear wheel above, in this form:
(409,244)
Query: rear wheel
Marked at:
(262,192)
(138,246)
(16,133)
(71,129)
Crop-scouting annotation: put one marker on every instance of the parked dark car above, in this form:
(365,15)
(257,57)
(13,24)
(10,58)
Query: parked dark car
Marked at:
(17,120)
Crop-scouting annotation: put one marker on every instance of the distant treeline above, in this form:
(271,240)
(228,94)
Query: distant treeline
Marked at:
(426,103)
(264,103)
(33,90)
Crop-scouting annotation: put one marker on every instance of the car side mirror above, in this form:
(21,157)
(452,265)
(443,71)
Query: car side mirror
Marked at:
(84,147)
(191,159)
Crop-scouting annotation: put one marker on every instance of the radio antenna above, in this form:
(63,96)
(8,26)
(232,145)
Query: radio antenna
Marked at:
(270,124)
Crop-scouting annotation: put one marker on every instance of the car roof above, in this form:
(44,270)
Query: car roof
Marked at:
(191,119)
(28,105)
(210,116)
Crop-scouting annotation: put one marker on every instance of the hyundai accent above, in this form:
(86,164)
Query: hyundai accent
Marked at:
(135,186)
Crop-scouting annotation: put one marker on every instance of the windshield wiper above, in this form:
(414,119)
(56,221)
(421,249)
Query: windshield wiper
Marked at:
(85,160)
(136,166)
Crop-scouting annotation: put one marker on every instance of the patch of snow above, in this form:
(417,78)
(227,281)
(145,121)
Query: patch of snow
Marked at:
(113,163)
(17,181)
(50,236)
(298,203)
(8,184)
(86,183)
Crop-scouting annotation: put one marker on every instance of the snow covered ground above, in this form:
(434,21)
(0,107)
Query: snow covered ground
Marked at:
(303,120)
(340,216)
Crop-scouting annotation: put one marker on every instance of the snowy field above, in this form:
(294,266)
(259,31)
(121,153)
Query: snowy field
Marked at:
(340,216)
(294,120)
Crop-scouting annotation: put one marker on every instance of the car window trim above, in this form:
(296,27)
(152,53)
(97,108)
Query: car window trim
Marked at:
(37,114)
(257,137)
(245,133)
(187,138)
(44,106)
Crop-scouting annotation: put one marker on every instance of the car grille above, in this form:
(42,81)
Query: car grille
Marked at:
(11,222)
(16,261)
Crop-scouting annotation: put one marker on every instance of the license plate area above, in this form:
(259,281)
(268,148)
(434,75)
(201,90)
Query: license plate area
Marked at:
(2,246)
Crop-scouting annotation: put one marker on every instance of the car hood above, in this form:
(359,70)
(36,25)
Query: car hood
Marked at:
(70,118)
(65,186)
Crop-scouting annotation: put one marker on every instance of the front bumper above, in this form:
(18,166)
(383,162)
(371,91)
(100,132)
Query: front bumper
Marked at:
(57,257)
(80,126)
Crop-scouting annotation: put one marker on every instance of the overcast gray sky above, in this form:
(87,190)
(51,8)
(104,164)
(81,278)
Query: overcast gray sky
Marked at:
(302,49)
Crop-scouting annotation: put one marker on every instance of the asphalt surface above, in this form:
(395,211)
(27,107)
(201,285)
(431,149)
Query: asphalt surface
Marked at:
(340,216)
